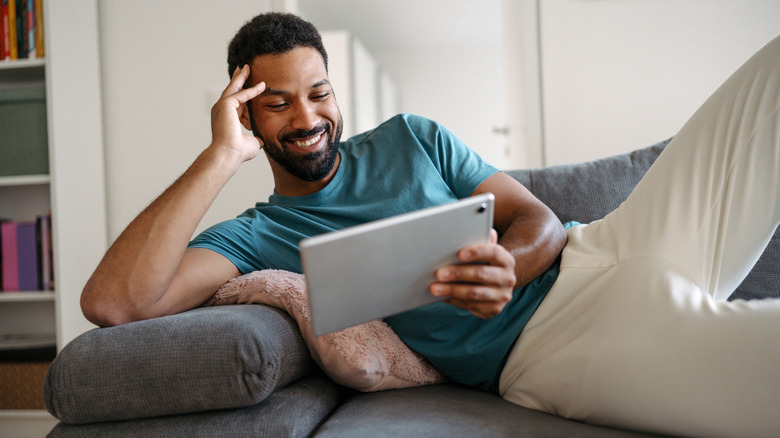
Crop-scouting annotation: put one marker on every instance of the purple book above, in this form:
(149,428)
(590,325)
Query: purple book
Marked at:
(26,239)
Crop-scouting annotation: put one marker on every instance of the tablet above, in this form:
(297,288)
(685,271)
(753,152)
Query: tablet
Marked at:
(381,268)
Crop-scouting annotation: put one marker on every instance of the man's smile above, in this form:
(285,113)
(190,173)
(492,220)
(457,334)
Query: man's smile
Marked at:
(307,142)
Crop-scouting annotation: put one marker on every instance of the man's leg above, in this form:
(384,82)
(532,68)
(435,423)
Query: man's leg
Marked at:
(633,333)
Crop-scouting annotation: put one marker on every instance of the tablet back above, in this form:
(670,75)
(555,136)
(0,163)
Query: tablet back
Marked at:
(385,267)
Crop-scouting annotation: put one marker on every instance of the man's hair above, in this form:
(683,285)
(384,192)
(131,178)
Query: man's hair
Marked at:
(273,33)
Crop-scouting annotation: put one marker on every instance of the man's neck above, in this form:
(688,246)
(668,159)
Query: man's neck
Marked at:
(287,184)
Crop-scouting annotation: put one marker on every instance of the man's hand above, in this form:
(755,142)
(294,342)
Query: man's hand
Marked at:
(227,113)
(483,284)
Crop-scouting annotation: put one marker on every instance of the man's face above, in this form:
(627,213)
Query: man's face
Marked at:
(296,117)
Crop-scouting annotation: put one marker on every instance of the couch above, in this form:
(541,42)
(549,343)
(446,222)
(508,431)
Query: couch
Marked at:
(243,370)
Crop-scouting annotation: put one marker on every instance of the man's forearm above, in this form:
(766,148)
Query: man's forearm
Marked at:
(535,243)
(139,267)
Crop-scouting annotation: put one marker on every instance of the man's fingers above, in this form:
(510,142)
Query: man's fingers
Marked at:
(240,75)
(235,87)
(477,274)
(481,301)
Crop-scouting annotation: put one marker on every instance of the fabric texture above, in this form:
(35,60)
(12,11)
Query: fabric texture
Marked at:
(449,411)
(204,359)
(366,357)
(295,411)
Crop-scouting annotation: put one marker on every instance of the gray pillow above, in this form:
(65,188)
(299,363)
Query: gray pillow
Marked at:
(205,359)
(585,192)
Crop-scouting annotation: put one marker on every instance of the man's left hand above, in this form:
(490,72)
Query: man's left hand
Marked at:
(483,283)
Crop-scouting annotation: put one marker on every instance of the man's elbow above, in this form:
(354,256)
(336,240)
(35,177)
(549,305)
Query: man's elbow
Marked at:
(101,308)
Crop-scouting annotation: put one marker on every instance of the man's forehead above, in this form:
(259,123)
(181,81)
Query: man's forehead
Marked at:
(302,60)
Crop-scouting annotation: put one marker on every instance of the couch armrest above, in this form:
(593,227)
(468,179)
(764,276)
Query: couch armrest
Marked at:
(204,359)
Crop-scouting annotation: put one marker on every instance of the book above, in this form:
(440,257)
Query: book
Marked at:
(29,28)
(27,249)
(9,248)
(5,40)
(12,41)
(24,139)
(39,50)
(19,7)
(45,255)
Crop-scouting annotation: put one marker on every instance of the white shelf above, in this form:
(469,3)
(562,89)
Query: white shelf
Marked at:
(9,341)
(24,180)
(22,63)
(26,296)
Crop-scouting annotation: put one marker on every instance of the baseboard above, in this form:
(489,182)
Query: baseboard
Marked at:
(26,423)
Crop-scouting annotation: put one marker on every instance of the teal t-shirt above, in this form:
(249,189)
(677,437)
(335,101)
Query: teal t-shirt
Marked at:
(405,164)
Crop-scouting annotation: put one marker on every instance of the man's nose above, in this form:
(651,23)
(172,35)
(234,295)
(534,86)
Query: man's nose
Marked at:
(305,117)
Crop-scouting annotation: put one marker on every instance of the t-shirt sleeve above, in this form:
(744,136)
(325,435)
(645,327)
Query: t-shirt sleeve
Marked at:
(460,167)
(233,239)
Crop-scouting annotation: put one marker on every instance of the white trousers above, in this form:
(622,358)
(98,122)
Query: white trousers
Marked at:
(636,332)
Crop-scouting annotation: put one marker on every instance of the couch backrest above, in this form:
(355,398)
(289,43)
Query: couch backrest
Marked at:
(588,191)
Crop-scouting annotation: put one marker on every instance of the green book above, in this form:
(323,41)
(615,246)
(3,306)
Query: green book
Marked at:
(23,133)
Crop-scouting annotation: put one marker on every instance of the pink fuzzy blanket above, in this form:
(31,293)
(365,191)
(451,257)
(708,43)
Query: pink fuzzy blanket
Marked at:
(367,357)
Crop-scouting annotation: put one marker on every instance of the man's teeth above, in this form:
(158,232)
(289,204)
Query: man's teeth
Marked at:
(309,142)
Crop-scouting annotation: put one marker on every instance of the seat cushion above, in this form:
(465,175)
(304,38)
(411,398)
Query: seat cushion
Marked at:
(293,411)
(448,410)
(201,360)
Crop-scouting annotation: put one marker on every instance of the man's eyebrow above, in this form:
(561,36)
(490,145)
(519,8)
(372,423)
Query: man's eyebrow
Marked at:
(274,92)
(321,83)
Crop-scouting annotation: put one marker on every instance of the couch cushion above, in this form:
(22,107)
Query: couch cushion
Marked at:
(293,411)
(586,192)
(448,410)
(204,359)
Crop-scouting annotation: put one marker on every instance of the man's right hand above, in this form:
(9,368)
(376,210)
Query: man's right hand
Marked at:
(227,113)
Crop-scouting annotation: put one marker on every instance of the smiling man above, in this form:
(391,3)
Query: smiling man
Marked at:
(279,89)
(628,325)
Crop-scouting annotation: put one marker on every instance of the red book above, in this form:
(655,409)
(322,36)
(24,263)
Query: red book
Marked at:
(27,246)
(10,254)
(5,36)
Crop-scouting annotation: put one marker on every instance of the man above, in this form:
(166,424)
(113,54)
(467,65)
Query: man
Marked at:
(604,345)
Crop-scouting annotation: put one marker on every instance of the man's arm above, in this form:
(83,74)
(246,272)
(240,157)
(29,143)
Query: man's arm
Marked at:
(149,271)
(532,238)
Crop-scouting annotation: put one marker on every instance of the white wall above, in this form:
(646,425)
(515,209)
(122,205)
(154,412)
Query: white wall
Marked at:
(619,75)
(163,67)
(460,88)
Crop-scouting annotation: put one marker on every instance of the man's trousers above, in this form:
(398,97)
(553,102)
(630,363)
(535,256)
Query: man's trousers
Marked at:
(637,332)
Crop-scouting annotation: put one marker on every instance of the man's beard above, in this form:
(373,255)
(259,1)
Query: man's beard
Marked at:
(309,167)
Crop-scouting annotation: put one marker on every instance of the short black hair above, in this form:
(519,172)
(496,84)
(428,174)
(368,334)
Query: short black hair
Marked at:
(272,33)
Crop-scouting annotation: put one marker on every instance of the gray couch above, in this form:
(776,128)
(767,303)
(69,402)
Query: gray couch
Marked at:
(244,371)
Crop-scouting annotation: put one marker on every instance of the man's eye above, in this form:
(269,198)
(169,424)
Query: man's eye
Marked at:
(276,106)
(321,96)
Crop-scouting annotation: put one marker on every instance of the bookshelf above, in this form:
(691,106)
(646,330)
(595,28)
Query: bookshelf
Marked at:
(73,189)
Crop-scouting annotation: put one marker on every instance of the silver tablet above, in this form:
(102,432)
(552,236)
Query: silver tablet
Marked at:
(385,267)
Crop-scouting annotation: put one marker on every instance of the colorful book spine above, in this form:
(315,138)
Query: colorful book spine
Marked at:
(21,5)
(21,29)
(5,38)
(27,247)
(45,255)
(30,28)
(10,253)
(12,40)
(39,50)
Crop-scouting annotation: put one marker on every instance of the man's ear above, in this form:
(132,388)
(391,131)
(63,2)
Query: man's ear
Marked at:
(245,116)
